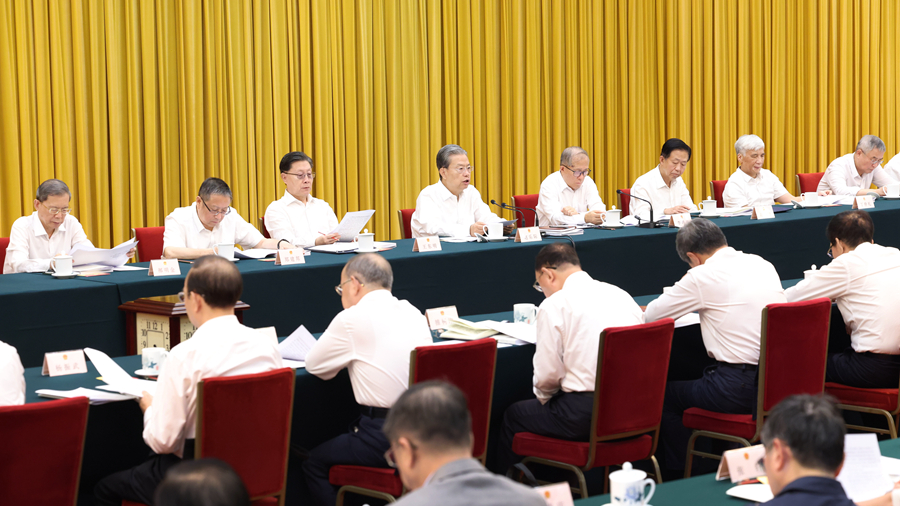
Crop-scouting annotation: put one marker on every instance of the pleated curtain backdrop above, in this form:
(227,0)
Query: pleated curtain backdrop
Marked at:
(133,103)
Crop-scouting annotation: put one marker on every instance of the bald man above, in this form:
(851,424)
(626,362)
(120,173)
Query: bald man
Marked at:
(372,337)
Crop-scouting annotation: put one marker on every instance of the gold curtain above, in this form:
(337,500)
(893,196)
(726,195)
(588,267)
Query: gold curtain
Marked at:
(135,102)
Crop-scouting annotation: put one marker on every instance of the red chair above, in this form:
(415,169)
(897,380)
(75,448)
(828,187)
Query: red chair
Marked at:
(879,401)
(262,227)
(625,201)
(717,188)
(405,216)
(426,363)
(792,354)
(40,458)
(4,243)
(809,182)
(150,246)
(530,201)
(632,364)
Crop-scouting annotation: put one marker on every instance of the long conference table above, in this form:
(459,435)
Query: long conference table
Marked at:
(39,313)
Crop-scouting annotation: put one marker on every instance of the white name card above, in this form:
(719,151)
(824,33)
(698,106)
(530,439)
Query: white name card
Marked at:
(430,243)
(742,464)
(528,234)
(864,202)
(62,363)
(290,257)
(164,267)
(439,317)
(557,494)
(679,220)
(764,212)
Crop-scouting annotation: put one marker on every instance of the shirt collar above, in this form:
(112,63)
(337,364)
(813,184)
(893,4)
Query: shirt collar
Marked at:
(39,227)
(219,321)
(195,219)
(577,278)
(290,199)
(658,181)
(446,194)
(721,254)
(746,177)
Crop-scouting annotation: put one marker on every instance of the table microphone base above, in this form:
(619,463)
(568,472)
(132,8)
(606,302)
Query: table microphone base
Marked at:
(649,224)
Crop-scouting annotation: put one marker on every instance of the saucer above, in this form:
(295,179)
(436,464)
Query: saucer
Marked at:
(373,250)
(620,225)
(497,239)
(65,276)
(147,373)
(891,198)
(709,215)
(811,206)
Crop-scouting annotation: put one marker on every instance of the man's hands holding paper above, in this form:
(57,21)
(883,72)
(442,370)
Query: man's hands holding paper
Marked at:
(146,401)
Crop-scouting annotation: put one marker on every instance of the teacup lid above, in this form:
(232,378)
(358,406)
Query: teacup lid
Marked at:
(613,208)
(627,474)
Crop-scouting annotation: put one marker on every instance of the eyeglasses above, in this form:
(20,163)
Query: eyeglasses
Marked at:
(537,286)
(216,213)
(340,288)
(181,296)
(829,252)
(461,170)
(389,455)
(578,173)
(302,176)
(56,210)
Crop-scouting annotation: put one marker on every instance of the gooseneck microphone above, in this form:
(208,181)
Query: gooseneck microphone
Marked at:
(649,224)
(504,206)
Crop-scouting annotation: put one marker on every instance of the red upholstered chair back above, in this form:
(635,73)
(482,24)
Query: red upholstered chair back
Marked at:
(405,216)
(246,421)
(40,457)
(717,188)
(470,366)
(793,349)
(631,379)
(150,246)
(809,182)
(262,227)
(4,243)
(625,201)
(530,201)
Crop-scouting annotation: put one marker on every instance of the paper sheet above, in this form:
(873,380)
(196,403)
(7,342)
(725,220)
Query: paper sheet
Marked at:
(84,254)
(458,239)
(253,254)
(755,492)
(96,397)
(126,268)
(352,224)
(297,345)
(116,379)
(338,247)
(293,364)
(862,475)
(519,331)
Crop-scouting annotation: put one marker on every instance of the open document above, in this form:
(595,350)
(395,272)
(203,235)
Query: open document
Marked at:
(352,224)
(116,379)
(512,333)
(295,348)
(96,397)
(85,254)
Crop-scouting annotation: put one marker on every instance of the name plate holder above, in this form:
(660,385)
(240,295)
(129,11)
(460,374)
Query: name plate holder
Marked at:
(864,202)
(63,363)
(763,212)
(430,243)
(439,317)
(742,464)
(290,257)
(164,267)
(557,494)
(528,234)
(679,220)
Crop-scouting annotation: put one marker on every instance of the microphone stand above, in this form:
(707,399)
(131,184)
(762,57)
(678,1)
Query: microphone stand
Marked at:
(649,224)
(508,208)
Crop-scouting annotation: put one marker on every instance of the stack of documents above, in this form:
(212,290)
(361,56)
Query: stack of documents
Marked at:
(295,348)
(561,231)
(84,255)
(513,333)
(116,379)
(96,397)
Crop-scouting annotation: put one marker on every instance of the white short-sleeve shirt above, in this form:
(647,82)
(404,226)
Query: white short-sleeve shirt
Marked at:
(439,212)
(12,377)
(842,178)
(893,167)
(556,194)
(30,249)
(652,187)
(741,190)
(185,230)
(297,222)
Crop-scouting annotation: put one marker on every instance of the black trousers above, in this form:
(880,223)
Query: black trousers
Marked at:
(863,370)
(139,483)
(363,445)
(722,389)
(565,416)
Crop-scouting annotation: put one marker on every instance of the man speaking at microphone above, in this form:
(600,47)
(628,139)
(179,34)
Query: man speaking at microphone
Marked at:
(569,196)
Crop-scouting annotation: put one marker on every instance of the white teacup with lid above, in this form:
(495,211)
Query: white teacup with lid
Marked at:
(627,487)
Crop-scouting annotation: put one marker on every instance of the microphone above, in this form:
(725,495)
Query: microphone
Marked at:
(504,206)
(649,224)
(536,224)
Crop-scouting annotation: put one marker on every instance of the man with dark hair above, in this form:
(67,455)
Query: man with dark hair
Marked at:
(863,280)
(220,347)
(451,207)
(663,186)
(854,173)
(569,322)
(372,337)
(194,231)
(298,217)
(569,196)
(204,482)
(729,289)
(430,434)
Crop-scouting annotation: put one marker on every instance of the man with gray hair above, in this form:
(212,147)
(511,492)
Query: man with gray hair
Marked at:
(372,337)
(451,207)
(196,230)
(569,196)
(854,173)
(49,231)
(430,433)
(729,289)
(752,185)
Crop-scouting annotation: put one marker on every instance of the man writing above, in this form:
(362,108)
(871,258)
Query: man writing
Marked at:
(854,173)
(663,186)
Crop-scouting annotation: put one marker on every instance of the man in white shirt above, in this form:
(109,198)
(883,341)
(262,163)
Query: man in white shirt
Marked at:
(196,230)
(451,207)
(12,377)
(729,289)
(892,168)
(569,322)
(220,347)
(430,430)
(854,173)
(298,217)
(569,196)
(663,186)
(48,232)
(752,185)
(863,280)
(372,337)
